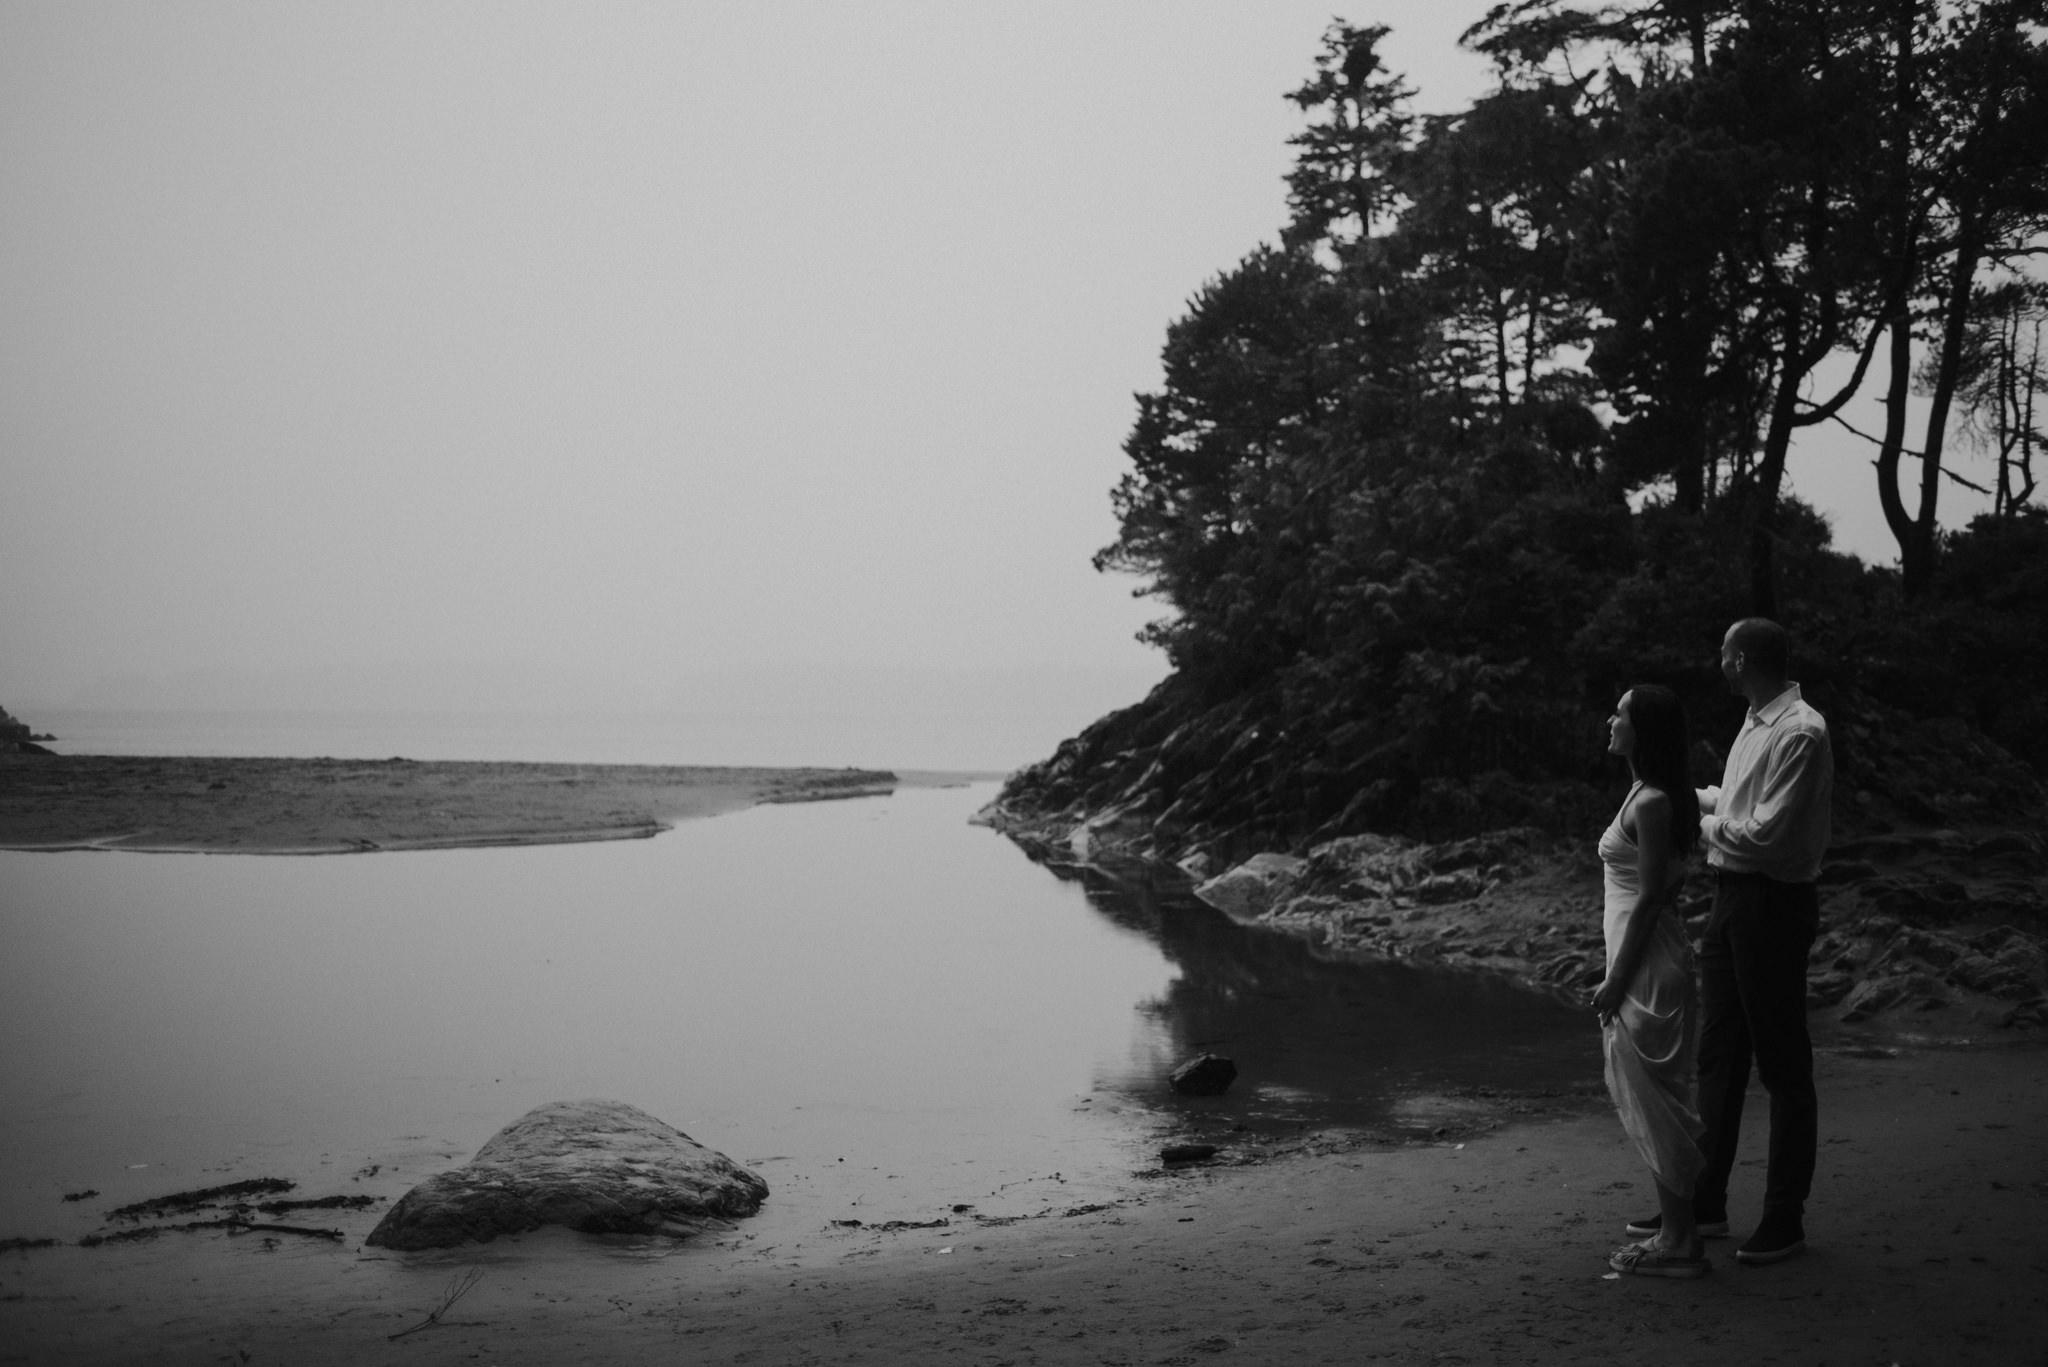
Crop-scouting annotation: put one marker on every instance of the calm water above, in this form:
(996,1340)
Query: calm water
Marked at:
(885,1009)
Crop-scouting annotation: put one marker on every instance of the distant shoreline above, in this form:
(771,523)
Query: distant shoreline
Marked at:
(207,805)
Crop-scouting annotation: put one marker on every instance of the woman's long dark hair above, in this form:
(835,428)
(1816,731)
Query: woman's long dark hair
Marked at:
(1663,743)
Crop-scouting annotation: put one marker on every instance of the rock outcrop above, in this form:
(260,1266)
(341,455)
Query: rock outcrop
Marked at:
(600,1167)
(1298,829)
(16,736)
(1913,922)
(1201,782)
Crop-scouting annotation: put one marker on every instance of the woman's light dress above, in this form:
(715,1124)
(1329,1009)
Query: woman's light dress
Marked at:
(1652,1041)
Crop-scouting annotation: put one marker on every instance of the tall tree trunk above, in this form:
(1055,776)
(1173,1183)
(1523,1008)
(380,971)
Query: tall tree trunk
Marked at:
(1794,364)
(1919,568)
(2025,420)
(1894,444)
(1689,419)
(2006,403)
(1503,360)
(1906,243)
(1695,12)
(1529,346)
(1688,475)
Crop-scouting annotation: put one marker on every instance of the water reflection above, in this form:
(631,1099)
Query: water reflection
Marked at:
(1327,1039)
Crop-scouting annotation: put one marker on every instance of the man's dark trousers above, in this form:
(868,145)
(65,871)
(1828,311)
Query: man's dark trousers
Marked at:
(1753,991)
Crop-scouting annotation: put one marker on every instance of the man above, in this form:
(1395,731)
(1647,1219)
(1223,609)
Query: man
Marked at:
(1764,830)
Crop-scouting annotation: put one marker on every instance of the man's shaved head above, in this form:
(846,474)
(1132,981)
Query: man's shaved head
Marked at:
(1765,644)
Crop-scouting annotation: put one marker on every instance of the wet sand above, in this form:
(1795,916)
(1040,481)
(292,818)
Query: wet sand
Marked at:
(1925,1228)
(332,806)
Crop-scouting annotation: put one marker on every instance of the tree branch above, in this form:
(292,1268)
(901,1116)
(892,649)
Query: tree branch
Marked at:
(1821,412)
(1908,451)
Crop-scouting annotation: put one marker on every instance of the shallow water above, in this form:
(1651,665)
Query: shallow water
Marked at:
(883,1008)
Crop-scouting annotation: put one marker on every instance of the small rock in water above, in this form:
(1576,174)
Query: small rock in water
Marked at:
(1207,1075)
(1187,1153)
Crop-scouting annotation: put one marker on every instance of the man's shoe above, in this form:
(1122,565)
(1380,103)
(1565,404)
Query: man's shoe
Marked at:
(1777,1238)
(1654,1224)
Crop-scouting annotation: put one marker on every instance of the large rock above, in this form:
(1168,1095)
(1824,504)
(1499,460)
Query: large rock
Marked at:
(1250,890)
(1876,995)
(601,1167)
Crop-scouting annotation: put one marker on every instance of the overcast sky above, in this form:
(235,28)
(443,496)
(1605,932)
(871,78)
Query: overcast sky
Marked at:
(612,341)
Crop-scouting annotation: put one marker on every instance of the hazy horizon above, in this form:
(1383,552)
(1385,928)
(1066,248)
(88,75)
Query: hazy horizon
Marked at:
(755,690)
(429,352)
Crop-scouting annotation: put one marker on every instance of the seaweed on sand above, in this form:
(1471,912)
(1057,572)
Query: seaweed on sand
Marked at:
(231,1224)
(178,1203)
(319,1203)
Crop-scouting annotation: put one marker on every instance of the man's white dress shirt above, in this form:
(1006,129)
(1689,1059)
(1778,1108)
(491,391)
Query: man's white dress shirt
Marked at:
(1770,815)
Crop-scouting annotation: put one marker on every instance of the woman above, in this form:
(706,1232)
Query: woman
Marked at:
(1648,1003)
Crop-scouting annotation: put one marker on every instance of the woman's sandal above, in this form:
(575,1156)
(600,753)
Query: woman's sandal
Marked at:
(1646,1259)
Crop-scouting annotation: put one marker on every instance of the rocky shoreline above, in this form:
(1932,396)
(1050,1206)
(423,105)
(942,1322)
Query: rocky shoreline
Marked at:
(1940,932)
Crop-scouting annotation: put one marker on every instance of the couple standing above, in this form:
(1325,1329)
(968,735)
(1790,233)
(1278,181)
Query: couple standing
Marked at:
(1671,1043)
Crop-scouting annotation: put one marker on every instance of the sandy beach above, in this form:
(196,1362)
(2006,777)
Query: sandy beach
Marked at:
(1926,1247)
(1484,1245)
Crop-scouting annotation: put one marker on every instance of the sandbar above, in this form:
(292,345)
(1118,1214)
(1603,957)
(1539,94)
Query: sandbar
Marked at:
(343,806)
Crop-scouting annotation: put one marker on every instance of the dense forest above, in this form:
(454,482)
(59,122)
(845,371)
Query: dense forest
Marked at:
(1497,425)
